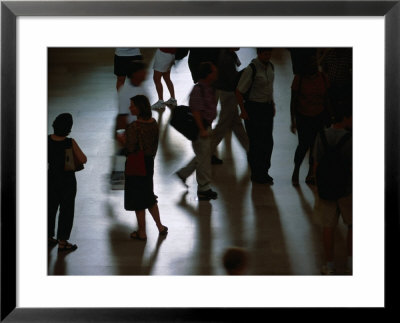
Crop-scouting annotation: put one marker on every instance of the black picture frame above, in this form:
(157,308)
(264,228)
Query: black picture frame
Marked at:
(10,10)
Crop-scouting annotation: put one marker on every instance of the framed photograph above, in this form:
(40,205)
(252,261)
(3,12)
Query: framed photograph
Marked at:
(29,29)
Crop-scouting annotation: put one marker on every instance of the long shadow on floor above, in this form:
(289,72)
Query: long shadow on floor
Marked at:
(129,255)
(202,249)
(232,191)
(269,254)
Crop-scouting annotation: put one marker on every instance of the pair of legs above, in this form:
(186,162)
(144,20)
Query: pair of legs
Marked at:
(61,195)
(201,163)
(259,129)
(159,87)
(162,70)
(329,212)
(229,120)
(307,130)
(328,237)
(141,219)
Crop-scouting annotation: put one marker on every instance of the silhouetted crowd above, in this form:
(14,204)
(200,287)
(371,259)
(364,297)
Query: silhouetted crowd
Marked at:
(320,114)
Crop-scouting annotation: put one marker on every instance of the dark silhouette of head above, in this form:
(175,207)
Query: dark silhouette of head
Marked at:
(235,261)
(137,72)
(62,125)
(207,71)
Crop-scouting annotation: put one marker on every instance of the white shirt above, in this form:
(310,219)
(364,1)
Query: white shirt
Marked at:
(262,89)
(125,93)
(127,51)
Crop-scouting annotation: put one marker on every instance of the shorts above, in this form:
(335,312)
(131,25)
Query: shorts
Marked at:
(121,64)
(163,61)
(327,213)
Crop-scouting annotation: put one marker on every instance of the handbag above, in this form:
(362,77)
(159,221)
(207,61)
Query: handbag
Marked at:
(183,121)
(135,165)
(71,163)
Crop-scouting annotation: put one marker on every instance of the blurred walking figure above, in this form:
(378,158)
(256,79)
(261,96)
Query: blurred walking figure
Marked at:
(256,101)
(62,182)
(136,74)
(229,119)
(204,108)
(163,61)
(308,111)
(142,134)
(201,55)
(122,59)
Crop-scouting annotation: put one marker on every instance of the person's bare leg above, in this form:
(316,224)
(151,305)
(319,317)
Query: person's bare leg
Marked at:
(120,81)
(141,219)
(157,81)
(167,78)
(155,213)
(328,236)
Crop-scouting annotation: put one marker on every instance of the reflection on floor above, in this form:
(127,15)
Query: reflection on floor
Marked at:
(273,223)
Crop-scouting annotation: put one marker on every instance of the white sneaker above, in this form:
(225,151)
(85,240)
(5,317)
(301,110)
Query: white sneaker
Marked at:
(172,102)
(326,271)
(159,105)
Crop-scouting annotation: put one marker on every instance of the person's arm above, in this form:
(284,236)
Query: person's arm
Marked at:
(293,102)
(196,103)
(243,86)
(239,98)
(131,139)
(199,122)
(78,152)
(156,137)
(121,124)
(292,112)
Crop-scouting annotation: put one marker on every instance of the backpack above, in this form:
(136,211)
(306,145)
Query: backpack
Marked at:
(332,175)
(181,53)
(253,76)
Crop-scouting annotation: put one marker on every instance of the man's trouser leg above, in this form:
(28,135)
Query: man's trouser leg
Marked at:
(202,149)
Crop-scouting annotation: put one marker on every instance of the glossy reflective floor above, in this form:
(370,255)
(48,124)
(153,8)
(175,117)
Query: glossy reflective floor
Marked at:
(273,223)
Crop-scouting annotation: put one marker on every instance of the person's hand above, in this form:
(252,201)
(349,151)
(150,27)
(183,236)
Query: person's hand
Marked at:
(293,127)
(244,115)
(121,138)
(204,133)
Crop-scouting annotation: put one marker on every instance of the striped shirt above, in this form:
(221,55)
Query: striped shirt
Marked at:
(202,99)
(338,64)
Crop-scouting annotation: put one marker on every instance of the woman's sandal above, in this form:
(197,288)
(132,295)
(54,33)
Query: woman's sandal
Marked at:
(164,231)
(51,240)
(135,235)
(66,247)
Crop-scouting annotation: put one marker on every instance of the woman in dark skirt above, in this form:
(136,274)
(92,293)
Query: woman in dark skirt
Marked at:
(61,183)
(139,194)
